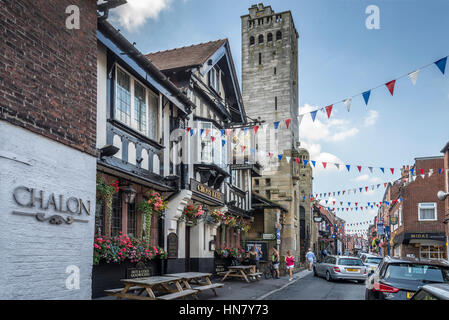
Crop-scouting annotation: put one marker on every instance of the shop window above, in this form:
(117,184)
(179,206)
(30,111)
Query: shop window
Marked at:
(252,41)
(432,252)
(132,220)
(116,218)
(427,211)
(99,218)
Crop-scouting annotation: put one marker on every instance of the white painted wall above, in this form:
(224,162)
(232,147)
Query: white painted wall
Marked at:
(35,255)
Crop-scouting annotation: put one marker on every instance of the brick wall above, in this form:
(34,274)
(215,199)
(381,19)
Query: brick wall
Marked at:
(48,72)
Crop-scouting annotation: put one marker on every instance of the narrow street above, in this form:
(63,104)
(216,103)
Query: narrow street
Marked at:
(315,288)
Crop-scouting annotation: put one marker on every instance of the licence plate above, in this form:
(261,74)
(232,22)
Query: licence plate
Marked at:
(410,294)
(353,270)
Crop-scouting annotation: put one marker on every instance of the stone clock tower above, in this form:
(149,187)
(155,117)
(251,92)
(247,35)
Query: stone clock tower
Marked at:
(270,92)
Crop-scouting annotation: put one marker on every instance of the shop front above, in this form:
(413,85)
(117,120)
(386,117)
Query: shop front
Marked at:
(420,245)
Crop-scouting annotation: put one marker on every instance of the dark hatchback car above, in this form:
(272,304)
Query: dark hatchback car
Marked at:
(435,291)
(400,278)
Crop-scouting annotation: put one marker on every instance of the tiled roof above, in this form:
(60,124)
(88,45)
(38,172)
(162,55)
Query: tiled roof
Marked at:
(193,55)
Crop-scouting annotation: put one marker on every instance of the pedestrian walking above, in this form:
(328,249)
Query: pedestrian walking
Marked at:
(290,262)
(259,255)
(275,261)
(310,256)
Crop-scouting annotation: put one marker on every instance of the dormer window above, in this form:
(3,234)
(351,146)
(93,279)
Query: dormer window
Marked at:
(214,80)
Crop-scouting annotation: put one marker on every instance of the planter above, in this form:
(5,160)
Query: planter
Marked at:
(107,275)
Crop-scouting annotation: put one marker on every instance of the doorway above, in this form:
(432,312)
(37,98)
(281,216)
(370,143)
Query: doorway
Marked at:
(187,249)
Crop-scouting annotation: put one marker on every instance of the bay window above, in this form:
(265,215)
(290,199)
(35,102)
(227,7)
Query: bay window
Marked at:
(211,151)
(136,105)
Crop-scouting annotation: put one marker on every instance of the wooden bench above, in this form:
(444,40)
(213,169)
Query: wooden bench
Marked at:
(112,292)
(255,275)
(212,286)
(176,295)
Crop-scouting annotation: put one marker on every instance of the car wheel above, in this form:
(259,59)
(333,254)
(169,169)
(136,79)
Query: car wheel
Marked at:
(328,276)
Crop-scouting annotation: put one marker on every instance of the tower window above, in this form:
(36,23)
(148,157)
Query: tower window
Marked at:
(274,70)
(251,41)
(260,58)
(261,38)
(278,35)
(269,37)
(275,103)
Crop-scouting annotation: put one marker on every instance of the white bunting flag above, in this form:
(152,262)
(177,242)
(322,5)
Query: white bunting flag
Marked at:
(348,103)
(413,76)
(288,159)
(337,165)
(430,172)
(370,169)
(300,119)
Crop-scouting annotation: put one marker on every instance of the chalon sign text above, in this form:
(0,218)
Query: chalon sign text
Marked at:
(32,198)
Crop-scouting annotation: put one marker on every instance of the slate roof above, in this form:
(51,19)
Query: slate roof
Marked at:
(193,55)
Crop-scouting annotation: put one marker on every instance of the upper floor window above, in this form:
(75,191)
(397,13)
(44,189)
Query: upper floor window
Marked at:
(269,37)
(278,35)
(214,79)
(260,38)
(427,211)
(211,151)
(136,105)
(251,41)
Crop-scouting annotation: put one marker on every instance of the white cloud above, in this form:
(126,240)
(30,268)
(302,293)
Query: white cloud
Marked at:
(135,13)
(365,177)
(371,119)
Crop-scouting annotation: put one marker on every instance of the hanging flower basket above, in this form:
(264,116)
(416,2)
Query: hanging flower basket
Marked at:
(153,204)
(192,214)
(216,217)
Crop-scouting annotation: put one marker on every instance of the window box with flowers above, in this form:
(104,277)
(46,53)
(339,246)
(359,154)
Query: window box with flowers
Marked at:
(113,256)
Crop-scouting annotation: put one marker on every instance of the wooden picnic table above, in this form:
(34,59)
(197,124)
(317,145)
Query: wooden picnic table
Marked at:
(242,272)
(145,286)
(200,279)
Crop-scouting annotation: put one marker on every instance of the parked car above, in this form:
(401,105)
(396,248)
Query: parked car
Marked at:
(371,262)
(399,278)
(435,291)
(340,267)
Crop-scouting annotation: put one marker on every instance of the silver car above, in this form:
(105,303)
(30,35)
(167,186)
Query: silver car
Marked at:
(340,267)
(371,262)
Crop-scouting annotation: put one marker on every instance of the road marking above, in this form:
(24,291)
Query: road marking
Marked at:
(296,277)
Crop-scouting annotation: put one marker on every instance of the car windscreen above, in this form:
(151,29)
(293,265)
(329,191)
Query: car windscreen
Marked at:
(420,272)
(350,262)
(373,260)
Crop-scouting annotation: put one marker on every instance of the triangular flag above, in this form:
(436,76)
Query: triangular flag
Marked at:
(392,170)
(222,132)
(243,148)
(441,64)
(228,131)
(188,129)
(287,122)
(288,159)
(329,111)
(390,86)
(313,115)
(223,142)
(360,168)
(348,102)
(370,169)
(348,167)
(297,160)
(280,157)
(305,162)
(413,76)
(313,162)
(255,128)
(324,165)
(337,165)
(212,138)
(192,132)
(276,124)
(201,132)
(252,150)
(270,155)
(383,170)
(366,95)
(300,119)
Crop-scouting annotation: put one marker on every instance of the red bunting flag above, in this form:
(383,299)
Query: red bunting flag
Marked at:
(392,170)
(324,165)
(212,138)
(366,189)
(390,86)
(361,208)
(422,171)
(297,160)
(287,122)
(385,184)
(329,111)
(360,168)
(356,204)
(333,202)
(344,191)
(228,132)
(270,154)
(243,148)
(188,129)
(255,129)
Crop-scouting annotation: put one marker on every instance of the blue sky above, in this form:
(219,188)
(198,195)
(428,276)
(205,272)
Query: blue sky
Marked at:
(338,57)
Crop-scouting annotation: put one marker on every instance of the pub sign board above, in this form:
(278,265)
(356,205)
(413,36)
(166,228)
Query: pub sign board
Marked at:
(172,246)
(204,190)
